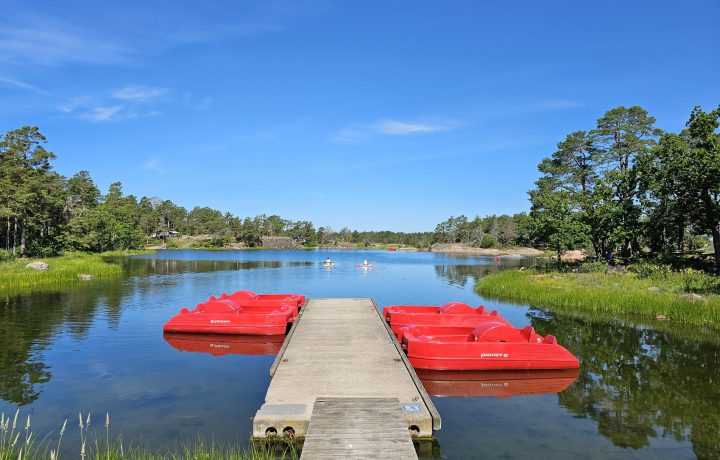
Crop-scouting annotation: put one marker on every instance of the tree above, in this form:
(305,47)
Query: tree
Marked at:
(684,176)
(554,218)
(622,134)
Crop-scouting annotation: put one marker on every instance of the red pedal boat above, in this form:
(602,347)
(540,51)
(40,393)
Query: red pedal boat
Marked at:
(220,345)
(246,298)
(451,314)
(498,384)
(489,346)
(223,316)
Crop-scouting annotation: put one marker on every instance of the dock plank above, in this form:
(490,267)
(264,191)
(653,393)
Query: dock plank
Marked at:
(357,428)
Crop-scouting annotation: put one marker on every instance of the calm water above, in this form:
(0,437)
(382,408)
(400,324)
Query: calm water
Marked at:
(99,347)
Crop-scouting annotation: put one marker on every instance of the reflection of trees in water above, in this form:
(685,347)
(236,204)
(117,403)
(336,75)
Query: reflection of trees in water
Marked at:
(137,266)
(28,324)
(639,383)
(461,274)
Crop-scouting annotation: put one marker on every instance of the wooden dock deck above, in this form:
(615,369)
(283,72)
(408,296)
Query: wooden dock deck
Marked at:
(342,382)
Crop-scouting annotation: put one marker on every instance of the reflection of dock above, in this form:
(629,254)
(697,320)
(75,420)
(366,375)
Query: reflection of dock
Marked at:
(344,384)
(499,384)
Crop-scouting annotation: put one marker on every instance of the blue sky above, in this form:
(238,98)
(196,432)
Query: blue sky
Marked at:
(373,114)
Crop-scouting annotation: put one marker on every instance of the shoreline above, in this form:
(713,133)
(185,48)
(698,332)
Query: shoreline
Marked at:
(458,248)
(605,296)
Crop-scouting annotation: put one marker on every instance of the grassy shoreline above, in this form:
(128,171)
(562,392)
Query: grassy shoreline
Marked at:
(19,442)
(615,295)
(15,278)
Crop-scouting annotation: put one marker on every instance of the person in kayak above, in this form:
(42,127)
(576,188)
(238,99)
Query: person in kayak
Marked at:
(328,261)
(365,263)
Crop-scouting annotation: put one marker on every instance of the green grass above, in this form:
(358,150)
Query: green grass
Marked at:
(612,295)
(19,442)
(16,278)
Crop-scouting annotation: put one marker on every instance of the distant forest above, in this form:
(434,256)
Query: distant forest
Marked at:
(622,189)
(44,213)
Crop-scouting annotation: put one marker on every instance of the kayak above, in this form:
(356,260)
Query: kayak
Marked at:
(328,265)
(223,316)
(453,314)
(498,384)
(220,345)
(489,346)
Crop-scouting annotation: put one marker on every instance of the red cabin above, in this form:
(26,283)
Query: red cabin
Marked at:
(489,346)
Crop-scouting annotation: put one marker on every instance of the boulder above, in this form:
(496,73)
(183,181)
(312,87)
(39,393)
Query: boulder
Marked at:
(693,298)
(38,265)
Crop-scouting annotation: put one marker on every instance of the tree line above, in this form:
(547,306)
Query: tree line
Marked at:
(43,213)
(626,188)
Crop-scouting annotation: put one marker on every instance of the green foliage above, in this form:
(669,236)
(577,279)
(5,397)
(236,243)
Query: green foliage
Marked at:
(625,191)
(611,295)
(488,241)
(647,270)
(6,256)
(15,277)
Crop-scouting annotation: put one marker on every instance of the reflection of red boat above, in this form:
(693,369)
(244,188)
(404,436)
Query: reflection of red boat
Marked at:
(489,346)
(451,314)
(223,316)
(499,384)
(219,345)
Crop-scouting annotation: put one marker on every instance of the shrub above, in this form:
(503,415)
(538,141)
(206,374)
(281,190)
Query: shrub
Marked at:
(697,281)
(6,256)
(647,270)
(593,267)
(487,241)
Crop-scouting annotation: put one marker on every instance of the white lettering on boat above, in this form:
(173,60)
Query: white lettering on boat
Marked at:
(217,345)
(493,355)
(219,321)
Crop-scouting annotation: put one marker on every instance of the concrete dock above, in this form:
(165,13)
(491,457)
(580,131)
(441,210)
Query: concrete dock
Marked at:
(342,382)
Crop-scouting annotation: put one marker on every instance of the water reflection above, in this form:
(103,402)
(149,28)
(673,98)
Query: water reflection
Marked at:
(467,274)
(29,324)
(220,345)
(146,266)
(639,383)
(498,384)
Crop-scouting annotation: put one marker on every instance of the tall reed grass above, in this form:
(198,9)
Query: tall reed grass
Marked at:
(16,278)
(18,442)
(606,295)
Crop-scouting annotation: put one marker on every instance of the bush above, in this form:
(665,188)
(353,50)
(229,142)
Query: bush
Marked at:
(6,256)
(487,241)
(647,270)
(697,281)
(593,267)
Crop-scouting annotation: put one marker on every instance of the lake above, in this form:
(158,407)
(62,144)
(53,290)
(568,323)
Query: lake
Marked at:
(642,391)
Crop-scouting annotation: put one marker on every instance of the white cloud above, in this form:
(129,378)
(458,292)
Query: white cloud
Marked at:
(360,132)
(51,42)
(153,164)
(101,113)
(138,93)
(401,128)
(7,81)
